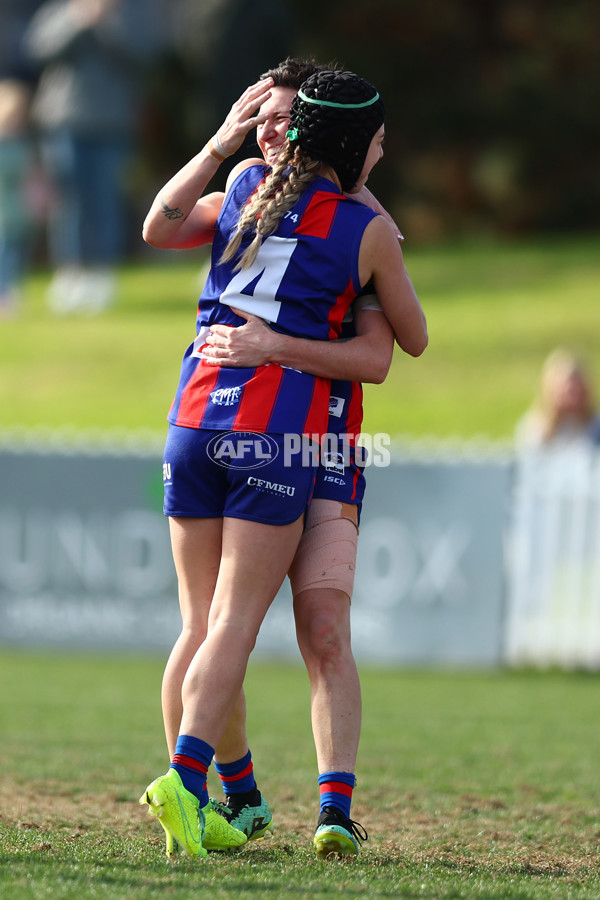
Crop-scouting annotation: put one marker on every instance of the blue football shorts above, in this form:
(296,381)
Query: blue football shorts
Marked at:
(244,475)
(340,475)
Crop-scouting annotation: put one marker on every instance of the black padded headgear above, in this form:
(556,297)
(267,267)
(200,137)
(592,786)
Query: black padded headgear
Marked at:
(334,117)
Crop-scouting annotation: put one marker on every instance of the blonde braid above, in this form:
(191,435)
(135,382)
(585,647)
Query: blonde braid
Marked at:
(267,206)
(246,221)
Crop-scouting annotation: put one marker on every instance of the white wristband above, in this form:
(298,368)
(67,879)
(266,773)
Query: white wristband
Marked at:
(216,142)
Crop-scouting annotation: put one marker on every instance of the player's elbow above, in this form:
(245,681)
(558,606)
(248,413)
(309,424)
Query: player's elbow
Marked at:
(416,348)
(378,368)
(380,371)
(152,236)
(415,343)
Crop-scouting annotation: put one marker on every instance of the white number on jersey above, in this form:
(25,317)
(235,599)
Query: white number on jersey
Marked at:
(269,268)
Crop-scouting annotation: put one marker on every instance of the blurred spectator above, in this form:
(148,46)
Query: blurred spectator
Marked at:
(212,33)
(563,414)
(15,16)
(92,55)
(17,167)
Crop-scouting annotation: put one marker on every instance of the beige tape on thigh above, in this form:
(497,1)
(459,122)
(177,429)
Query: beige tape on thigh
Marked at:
(326,557)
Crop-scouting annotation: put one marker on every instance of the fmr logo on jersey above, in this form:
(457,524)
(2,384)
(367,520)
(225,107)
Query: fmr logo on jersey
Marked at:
(226,396)
(242,449)
(336,406)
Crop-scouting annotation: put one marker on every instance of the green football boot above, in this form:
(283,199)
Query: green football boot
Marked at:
(337,834)
(249,814)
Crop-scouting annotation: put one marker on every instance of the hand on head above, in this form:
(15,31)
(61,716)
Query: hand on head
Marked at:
(243,117)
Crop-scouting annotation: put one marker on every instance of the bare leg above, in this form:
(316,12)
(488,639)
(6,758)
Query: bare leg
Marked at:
(234,742)
(323,630)
(254,561)
(197,576)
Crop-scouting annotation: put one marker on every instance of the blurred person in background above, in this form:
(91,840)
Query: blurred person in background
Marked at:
(563,414)
(212,33)
(15,16)
(17,172)
(92,55)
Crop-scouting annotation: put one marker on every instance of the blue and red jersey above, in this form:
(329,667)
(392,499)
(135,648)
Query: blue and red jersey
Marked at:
(346,397)
(302,282)
(341,473)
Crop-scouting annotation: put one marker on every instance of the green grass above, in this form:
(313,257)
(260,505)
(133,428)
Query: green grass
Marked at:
(471,785)
(494,312)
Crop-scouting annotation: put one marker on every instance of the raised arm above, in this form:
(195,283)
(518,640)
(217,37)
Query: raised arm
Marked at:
(366,357)
(181,215)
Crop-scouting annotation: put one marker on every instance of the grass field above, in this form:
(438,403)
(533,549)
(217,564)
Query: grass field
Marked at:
(483,786)
(471,785)
(494,312)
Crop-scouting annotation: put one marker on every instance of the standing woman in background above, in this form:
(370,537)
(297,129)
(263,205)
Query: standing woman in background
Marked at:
(564,413)
(291,248)
(92,56)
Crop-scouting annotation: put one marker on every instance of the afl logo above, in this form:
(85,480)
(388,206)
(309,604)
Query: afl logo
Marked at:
(242,449)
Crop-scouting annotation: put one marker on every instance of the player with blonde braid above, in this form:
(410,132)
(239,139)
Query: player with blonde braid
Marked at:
(237,480)
(273,199)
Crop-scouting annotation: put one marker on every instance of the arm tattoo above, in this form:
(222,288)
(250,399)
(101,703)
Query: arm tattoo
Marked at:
(172,213)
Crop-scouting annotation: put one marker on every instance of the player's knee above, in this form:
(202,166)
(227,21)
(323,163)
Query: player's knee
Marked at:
(327,639)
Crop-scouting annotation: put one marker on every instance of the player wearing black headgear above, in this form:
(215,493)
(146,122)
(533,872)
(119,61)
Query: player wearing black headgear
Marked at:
(333,119)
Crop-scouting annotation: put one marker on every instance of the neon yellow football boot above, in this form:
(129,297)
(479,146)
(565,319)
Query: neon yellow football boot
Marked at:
(178,812)
(337,835)
(218,833)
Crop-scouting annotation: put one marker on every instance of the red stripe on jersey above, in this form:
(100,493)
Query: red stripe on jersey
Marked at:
(190,763)
(227,778)
(258,399)
(339,310)
(194,397)
(354,413)
(355,478)
(336,787)
(319,215)
(317,417)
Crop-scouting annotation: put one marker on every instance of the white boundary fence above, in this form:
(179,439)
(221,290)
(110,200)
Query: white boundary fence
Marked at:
(553,561)
(466,558)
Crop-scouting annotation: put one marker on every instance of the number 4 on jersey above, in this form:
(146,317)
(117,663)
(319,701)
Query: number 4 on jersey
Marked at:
(254,289)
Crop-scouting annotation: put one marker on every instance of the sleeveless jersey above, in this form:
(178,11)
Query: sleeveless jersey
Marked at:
(341,473)
(345,401)
(345,405)
(302,282)
(339,477)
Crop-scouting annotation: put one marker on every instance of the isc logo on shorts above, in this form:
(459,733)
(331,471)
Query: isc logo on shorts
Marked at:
(242,449)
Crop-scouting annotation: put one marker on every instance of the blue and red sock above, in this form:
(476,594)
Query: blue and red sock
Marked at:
(191,761)
(335,789)
(237,777)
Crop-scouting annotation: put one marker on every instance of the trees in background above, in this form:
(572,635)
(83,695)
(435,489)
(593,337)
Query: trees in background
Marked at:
(493,122)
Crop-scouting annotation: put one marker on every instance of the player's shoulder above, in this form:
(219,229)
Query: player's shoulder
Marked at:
(380,231)
(244,167)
